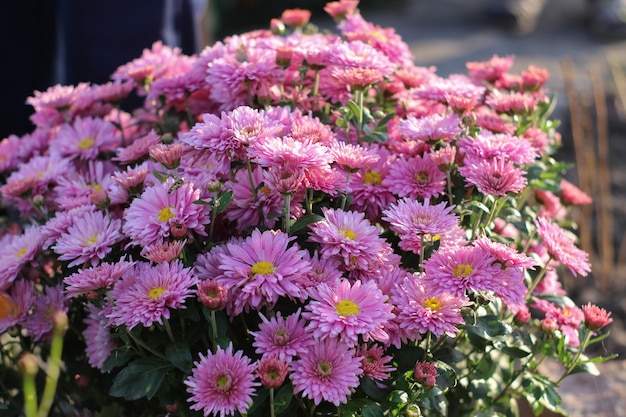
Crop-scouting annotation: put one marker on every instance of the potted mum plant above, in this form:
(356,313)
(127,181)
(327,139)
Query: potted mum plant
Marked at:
(294,222)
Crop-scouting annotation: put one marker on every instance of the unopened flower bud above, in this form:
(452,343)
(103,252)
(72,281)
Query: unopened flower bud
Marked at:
(99,198)
(521,318)
(272,371)
(178,230)
(211,294)
(172,408)
(82,381)
(425,373)
(413,410)
(548,325)
(61,322)
(28,364)
(277,27)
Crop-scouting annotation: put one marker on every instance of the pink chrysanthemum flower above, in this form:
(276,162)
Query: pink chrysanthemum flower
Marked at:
(567,318)
(308,129)
(212,294)
(261,269)
(15,305)
(441,90)
(348,311)
(9,153)
(284,338)
(153,64)
(595,317)
(511,102)
(508,256)
(85,138)
(494,176)
(60,223)
(431,128)
(78,189)
(348,236)
(490,121)
(357,78)
(40,323)
(490,70)
(327,371)
(374,363)
(138,149)
(151,218)
(56,104)
(357,54)
(456,270)
(561,246)
(100,277)
(97,335)
(498,145)
(163,252)
(222,383)
(16,251)
(417,223)
(146,294)
(90,238)
(571,194)
(340,9)
(420,310)
(425,373)
(418,177)
(272,371)
(352,158)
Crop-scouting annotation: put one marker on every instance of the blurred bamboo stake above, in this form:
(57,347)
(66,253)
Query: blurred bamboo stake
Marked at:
(604,210)
(619,79)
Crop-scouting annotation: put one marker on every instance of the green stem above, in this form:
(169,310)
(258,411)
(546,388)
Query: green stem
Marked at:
(54,364)
(272,412)
(168,329)
(213,322)
(479,219)
(574,362)
(537,280)
(29,367)
(358,93)
(287,214)
(142,345)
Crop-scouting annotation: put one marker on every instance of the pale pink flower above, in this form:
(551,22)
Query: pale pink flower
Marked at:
(561,247)
(488,145)
(418,177)
(431,128)
(97,278)
(86,138)
(571,194)
(15,305)
(494,176)
(490,70)
(16,251)
(98,339)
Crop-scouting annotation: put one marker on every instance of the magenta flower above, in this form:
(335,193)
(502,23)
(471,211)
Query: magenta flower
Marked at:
(418,178)
(15,305)
(96,278)
(85,138)
(16,251)
(327,371)
(152,217)
(261,269)
(561,246)
(222,383)
(348,311)
(495,176)
(284,338)
(374,363)
(595,317)
(431,128)
(488,145)
(40,322)
(89,239)
(98,339)
(146,294)
(421,310)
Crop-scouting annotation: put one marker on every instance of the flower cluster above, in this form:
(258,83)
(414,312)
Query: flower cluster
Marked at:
(292,220)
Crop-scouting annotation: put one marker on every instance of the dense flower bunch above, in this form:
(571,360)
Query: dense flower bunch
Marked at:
(290,222)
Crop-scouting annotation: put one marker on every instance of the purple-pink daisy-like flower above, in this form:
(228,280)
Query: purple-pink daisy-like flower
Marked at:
(40,323)
(561,246)
(100,277)
(163,252)
(490,70)
(284,338)
(15,305)
(420,310)
(328,370)
(493,176)
(567,318)
(417,223)
(60,223)
(348,311)
(222,383)
(442,90)
(16,251)
(507,256)
(431,128)
(352,158)
(147,293)
(417,177)
(261,269)
(98,339)
(85,138)
(374,363)
(513,102)
(348,236)
(488,145)
(89,239)
(151,218)
(456,270)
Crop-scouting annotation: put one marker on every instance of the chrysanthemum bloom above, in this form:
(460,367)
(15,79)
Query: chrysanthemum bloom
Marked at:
(488,145)
(147,293)
(595,317)
(295,17)
(77,189)
(425,373)
(551,206)
(494,176)
(348,311)
(327,371)
(571,194)
(441,90)
(561,246)
(310,129)
(368,193)
(417,223)
(163,252)
(222,383)
(167,155)
(15,305)
(490,121)
(340,9)
(567,318)
(284,338)
(357,78)
(348,236)
(16,251)
(138,149)
(323,269)
(60,223)
(418,177)
(419,309)
(85,138)
(534,78)
(55,104)
(352,158)
(456,270)
(212,294)
(261,269)
(431,128)
(90,238)
(100,277)
(151,217)
(153,64)
(504,254)
(512,102)
(272,371)
(374,363)
(40,323)
(98,339)
(9,152)
(490,70)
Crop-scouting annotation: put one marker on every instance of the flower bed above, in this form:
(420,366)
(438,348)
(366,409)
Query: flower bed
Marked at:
(293,222)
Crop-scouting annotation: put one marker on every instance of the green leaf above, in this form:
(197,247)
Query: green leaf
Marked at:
(372,410)
(141,378)
(283,398)
(488,327)
(180,355)
(223,201)
(355,110)
(370,388)
(118,357)
(304,221)
(398,397)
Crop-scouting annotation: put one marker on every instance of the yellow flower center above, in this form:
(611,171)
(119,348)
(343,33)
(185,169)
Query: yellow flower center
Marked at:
(432,303)
(463,270)
(346,308)
(349,234)
(22,252)
(265,190)
(91,240)
(262,268)
(7,306)
(166,214)
(156,292)
(373,178)
(85,143)
(95,187)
